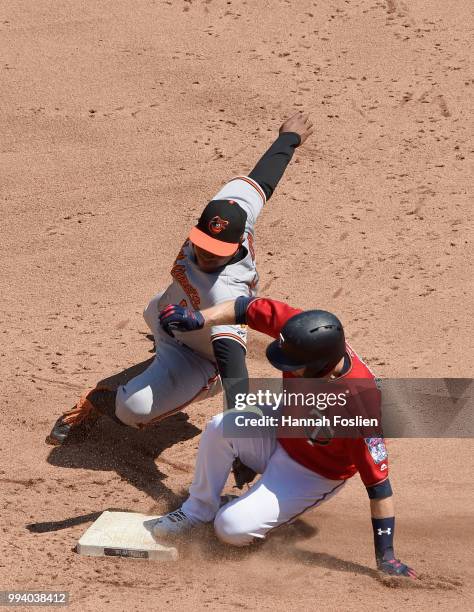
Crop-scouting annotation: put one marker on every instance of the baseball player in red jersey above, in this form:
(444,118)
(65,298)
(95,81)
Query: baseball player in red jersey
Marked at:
(297,474)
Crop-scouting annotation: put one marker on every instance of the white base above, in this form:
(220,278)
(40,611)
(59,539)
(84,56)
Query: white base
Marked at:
(124,534)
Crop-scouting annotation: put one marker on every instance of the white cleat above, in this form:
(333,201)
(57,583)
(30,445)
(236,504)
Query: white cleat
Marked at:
(172,525)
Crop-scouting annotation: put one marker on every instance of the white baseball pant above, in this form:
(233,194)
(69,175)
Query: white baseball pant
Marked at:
(176,377)
(285,489)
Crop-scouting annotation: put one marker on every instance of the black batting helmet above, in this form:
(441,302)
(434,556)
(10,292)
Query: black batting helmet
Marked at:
(313,339)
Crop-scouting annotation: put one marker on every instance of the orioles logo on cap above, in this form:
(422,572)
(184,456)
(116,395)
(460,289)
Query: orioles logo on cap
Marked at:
(216,225)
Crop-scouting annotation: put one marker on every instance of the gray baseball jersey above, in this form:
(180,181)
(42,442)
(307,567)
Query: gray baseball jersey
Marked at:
(197,289)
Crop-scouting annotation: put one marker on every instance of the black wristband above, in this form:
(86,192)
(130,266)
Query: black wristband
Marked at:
(240,308)
(381,490)
(383,538)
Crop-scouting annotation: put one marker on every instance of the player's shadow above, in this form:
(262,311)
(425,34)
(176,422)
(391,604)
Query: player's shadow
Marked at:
(129,452)
(290,536)
(330,562)
(300,530)
(282,543)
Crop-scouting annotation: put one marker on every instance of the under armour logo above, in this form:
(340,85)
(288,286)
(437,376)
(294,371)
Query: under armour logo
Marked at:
(388,531)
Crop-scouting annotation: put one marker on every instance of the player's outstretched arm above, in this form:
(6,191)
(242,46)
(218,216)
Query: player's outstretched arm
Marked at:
(221,314)
(272,165)
(175,317)
(383,525)
(262,314)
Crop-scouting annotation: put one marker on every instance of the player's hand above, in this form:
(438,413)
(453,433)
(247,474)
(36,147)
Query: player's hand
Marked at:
(299,123)
(175,317)
(394,567)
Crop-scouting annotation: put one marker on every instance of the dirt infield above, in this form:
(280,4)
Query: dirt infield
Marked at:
(119,121)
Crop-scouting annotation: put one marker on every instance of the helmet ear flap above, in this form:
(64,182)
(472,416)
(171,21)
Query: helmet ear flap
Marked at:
(317,371)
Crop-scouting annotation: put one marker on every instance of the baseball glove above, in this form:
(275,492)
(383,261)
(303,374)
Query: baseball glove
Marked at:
(242,473)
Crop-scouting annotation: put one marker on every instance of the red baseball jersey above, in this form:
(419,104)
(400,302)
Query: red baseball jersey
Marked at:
(341,458)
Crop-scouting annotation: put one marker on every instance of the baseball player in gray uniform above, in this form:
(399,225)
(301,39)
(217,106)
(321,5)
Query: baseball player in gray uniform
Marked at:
(215,264)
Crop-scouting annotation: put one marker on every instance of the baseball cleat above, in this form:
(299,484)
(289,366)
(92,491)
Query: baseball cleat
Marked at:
(78,421)
(172,525)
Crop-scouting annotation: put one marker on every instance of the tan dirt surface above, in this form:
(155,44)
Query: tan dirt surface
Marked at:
(119,121)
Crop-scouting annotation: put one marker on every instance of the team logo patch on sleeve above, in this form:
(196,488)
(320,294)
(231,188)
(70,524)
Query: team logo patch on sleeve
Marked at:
(377,449)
